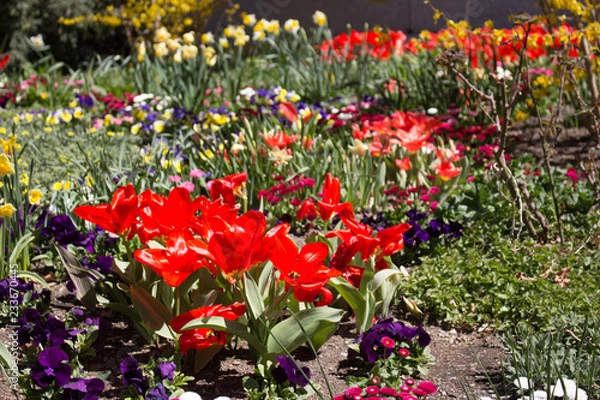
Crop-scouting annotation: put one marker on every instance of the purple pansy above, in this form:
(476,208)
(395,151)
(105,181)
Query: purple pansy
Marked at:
(132,375)
(83,389)
(166,370)
(288,371)
(51,368)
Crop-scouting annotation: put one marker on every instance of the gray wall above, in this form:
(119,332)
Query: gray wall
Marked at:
(411,16)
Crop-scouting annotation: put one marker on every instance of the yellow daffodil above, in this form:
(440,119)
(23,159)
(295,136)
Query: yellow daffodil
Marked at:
(291,25)
(7,210)
(189,37)
(319,18)
(161,35)
(249,19)
(6,166)
(35,196)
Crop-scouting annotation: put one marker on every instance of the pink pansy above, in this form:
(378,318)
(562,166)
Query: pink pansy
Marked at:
(189,186)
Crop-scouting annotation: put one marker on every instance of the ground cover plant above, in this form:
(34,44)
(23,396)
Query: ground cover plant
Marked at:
(262,188)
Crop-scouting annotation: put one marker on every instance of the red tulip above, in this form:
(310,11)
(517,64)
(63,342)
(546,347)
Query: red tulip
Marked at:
(236,246)
(226,188)
(178,261)
(303,270)
(203,338)
(118,217)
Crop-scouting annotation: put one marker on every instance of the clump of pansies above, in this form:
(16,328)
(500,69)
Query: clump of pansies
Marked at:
(53,350)
(20,292)
(392,351)
(156,380)
(91,246)
(286,380)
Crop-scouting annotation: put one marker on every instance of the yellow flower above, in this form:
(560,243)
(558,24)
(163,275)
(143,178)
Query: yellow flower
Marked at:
(189,51)
(6,166)
(44,95)
(158,126)
(24,179)
(135,129)
(177,57)
(291,25)
(66,117)
(7,210)
(189,37)
(249,19)
(160,49)
(279,157)
(207,37)
(358,148)
(273,27)
(35,196)
(319,18)
(2,130)
(224,43)
(173,45)
(57,186)
(141,52)
(161,35)
(9,145)
(78,113)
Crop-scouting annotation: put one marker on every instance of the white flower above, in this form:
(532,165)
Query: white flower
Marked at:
(523,383)
(432,111)
(292,25)
(540,395)
(222,398)
(247,92)
(190,396)
(37,41)
(503,74)
(569,388)
(581,394)
(319,18)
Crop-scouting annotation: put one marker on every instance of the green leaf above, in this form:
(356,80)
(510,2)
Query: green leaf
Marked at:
(18,248)
(318,323)
(154,314)
(5,356)
(34,277)
(80,277)
(254,301)
(380,277)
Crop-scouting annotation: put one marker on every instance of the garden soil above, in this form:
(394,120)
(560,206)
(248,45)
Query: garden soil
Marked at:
(463,359)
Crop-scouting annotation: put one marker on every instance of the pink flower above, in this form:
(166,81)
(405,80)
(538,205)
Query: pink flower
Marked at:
(174,178)
(404,352)
(353,391)
(434,190)
(470,179)
(409,381)
(427,387)
(372,390)
(434,205)
(189,186)
(196,173)
(388,342)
